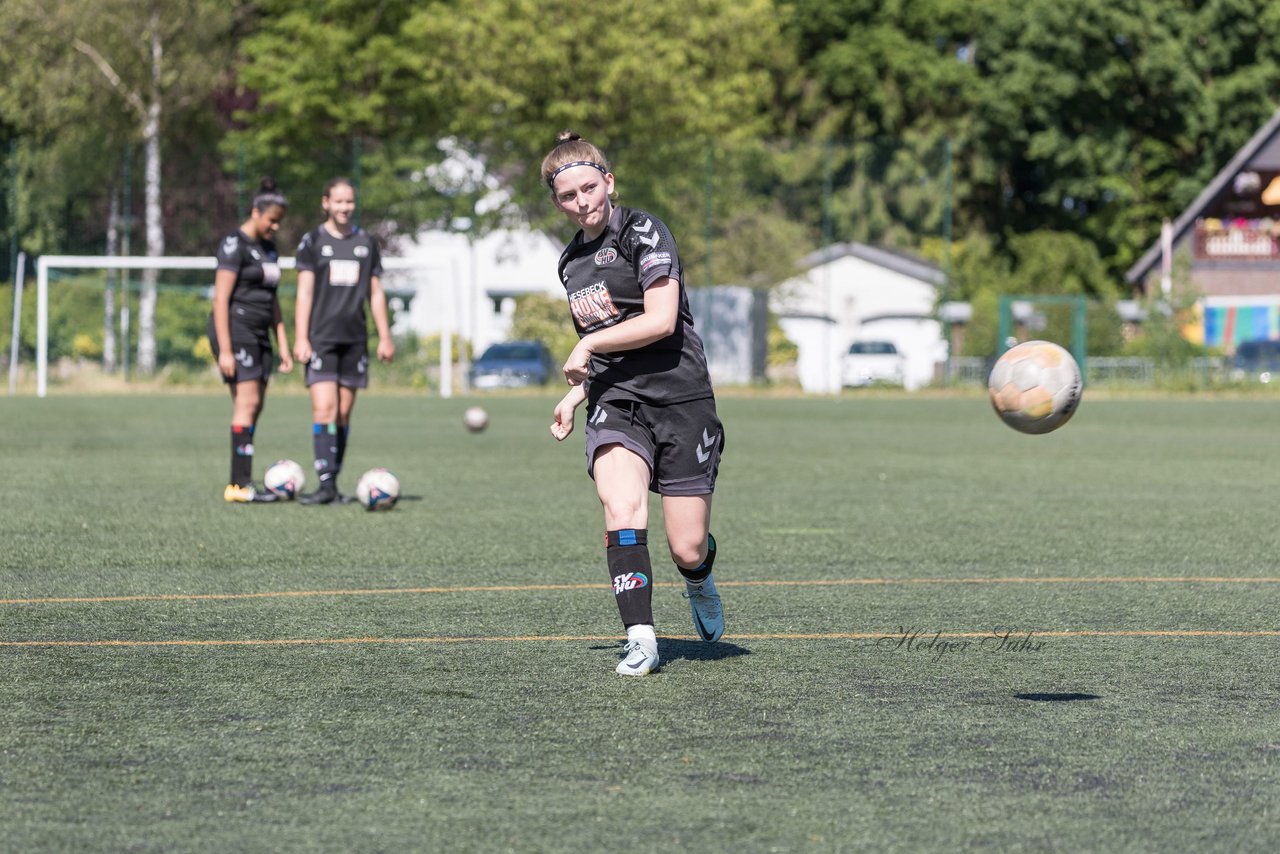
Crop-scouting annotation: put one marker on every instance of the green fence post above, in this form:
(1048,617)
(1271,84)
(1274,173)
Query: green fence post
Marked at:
(357,152)
(710,207)
(1078,344)
(1005,313)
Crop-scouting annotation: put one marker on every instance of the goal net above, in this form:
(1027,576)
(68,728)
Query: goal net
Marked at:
(1057,318)
(86,309)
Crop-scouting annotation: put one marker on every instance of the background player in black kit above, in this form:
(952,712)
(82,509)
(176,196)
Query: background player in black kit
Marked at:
(245,310)
(651,415)
(339,272)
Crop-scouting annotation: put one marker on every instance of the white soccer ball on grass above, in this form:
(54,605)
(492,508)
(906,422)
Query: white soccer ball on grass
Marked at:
(378,489)
(475,419)
(285,478)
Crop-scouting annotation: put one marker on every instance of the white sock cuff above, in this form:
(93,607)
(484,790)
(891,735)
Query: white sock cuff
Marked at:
(644,634)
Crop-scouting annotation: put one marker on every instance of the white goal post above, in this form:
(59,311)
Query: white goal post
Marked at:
(46,263)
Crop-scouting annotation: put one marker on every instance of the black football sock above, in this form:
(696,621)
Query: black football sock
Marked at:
(241,454)
(324,441)
(627,552)
(701,573)
(344,431)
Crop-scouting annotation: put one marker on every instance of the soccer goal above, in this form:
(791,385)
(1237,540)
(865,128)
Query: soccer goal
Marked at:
(1061,319)
(190,275)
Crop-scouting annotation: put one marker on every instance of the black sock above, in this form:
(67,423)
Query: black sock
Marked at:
(324,441)
(343,431)
(701,573)
(627,552)
(241,454)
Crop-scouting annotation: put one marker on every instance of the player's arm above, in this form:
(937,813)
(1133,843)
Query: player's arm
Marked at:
(282,336)
(302,315)
(378,306)
(661,313)
(224,282)
(562,417)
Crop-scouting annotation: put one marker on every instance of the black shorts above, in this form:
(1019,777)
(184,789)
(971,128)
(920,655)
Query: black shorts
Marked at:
(344,364)
(681,442)
(254,356)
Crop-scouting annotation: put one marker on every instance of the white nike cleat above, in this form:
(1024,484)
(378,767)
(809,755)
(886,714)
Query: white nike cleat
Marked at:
(704,603)
(640,660)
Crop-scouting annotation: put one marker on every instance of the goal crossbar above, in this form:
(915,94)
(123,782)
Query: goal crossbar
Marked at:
(45,263)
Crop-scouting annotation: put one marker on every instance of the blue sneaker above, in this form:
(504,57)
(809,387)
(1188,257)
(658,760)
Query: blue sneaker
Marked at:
(704,603)
(640,660)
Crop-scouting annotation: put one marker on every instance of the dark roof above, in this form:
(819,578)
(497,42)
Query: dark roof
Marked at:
(1257,147)
(907,265)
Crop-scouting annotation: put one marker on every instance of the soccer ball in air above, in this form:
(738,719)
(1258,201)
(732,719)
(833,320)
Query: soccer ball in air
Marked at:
(285,478)
(378,489)
(1035,387)
(475,419)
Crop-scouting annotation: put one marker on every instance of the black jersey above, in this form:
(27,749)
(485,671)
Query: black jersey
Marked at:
(606,279)
(256,264)
(344,267)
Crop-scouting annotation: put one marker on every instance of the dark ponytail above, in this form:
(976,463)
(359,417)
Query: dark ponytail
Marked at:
(269,195)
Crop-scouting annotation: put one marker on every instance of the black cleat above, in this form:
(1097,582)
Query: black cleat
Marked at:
(326,494)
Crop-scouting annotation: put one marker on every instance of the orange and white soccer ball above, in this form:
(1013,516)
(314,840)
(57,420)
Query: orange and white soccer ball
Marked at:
(1035,387)
(285,478)
(378,489)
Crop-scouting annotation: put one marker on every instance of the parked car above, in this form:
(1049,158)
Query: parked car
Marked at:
(513,364)
(1257,360)
(872,363)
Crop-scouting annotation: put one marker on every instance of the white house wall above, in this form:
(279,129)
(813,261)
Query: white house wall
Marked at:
(837,303)
(452,279)
(920,341)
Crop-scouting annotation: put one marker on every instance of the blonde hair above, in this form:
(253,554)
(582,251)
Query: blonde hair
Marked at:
(571,150)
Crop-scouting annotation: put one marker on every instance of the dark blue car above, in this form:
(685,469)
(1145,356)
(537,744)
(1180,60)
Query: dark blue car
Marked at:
(513,364)
(1257,360)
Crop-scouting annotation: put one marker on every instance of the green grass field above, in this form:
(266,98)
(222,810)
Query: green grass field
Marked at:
(180,674)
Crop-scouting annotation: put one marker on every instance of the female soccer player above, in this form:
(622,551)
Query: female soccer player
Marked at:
(245,309)
(339,272)
(641,368)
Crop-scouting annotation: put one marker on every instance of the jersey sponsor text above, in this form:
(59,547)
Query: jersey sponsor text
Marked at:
(592,306)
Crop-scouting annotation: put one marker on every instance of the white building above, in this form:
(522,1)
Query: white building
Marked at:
(467,288)
(854,292)
(445,283)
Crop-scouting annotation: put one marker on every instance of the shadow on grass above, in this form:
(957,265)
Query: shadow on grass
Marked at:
(1056,698)
(689,650)
(700,651)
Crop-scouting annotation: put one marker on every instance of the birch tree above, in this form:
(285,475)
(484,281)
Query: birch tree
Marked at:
(145,60)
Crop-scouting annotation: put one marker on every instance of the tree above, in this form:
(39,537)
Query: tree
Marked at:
(1107,117)
(153,61)
(501,77)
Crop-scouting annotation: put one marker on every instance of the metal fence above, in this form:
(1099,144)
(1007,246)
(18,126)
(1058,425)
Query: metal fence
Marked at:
(1122,373)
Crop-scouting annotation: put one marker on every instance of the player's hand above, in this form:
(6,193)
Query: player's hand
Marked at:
(386,350)
(227,365)
(562,422)
(578,366)
(286,362)
(302,350)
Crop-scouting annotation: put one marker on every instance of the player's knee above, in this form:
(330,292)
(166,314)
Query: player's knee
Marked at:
(623,512)
(688,552)
(324,414)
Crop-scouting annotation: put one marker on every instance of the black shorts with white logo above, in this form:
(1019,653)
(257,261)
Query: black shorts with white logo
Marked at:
(254,356)
(344,364)
(681,442)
